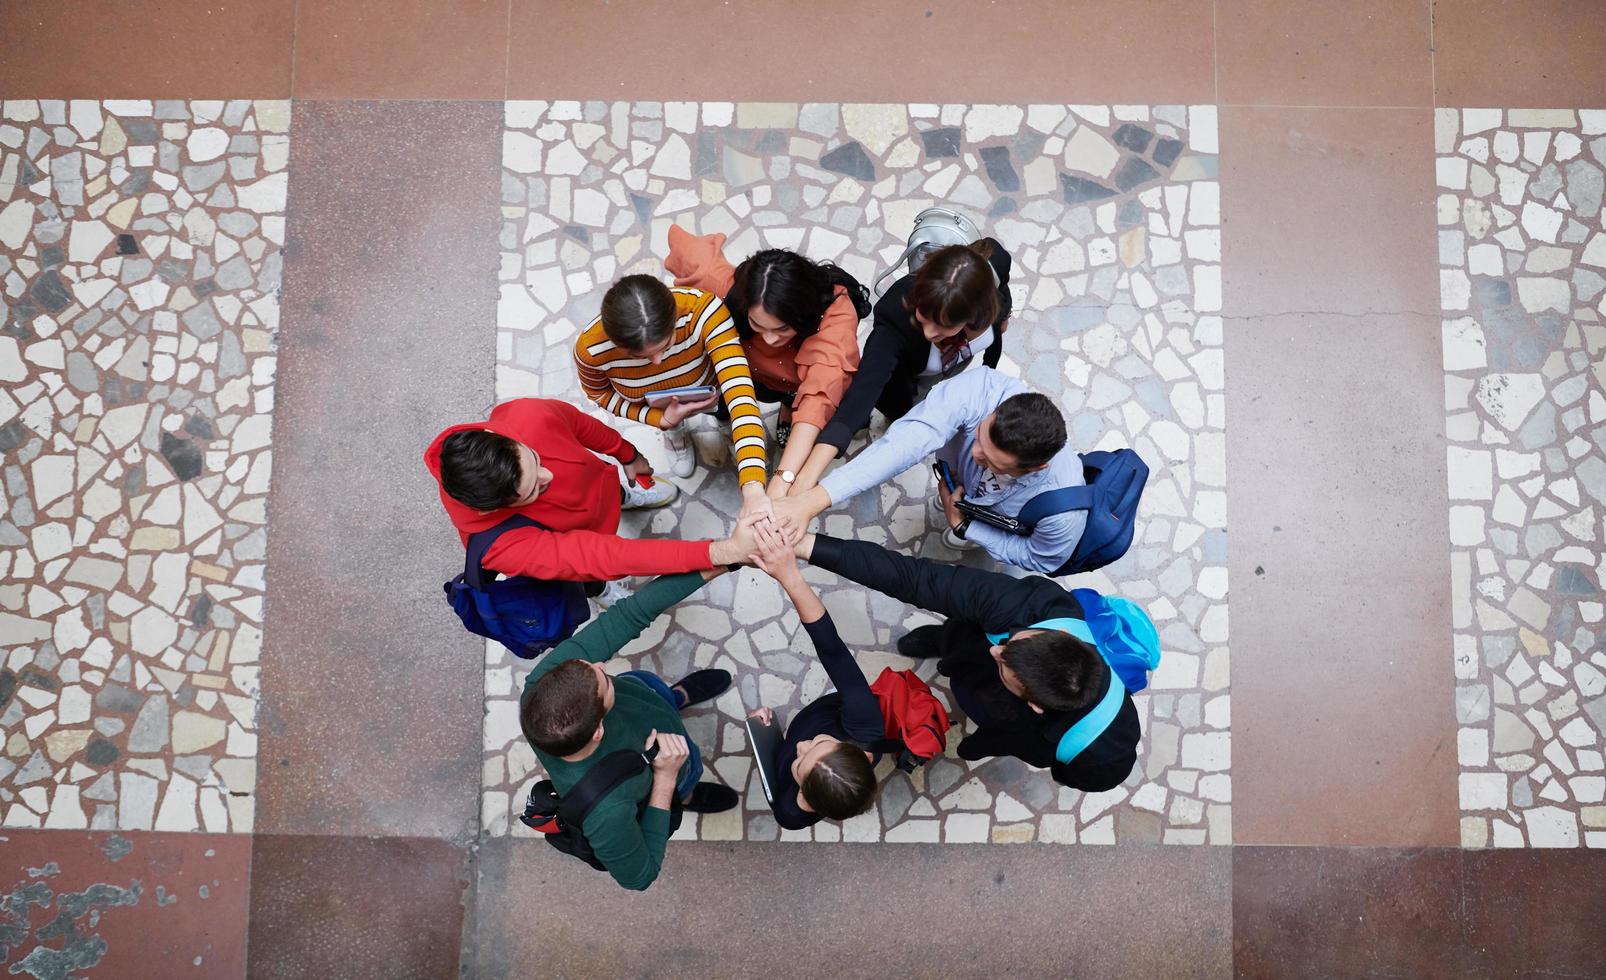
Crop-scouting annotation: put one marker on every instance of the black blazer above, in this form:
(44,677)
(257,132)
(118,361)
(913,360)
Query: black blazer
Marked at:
(1001,603)
(896,352)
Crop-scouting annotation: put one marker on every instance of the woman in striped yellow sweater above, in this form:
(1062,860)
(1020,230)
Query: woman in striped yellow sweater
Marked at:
(653,338)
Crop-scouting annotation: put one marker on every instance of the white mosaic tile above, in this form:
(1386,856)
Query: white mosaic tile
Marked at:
(1523,259)
(1113,219)
(140,249)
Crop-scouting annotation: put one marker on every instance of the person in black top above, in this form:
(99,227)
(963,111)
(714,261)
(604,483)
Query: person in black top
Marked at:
(929,326)
(1024,693)
(822,769)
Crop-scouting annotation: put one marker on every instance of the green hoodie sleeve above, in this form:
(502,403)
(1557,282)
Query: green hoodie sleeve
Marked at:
(609,633)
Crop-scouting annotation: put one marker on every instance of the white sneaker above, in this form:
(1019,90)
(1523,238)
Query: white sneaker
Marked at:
(612,593)
(683,455)
(661,494)
(934,506)
(957,543)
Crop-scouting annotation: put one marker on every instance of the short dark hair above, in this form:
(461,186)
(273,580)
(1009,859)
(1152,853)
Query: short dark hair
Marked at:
(1058,671)
(1029,427)
(841,784)
(638,312)
(562,710)
(480,469)
(956,287)
(790,288)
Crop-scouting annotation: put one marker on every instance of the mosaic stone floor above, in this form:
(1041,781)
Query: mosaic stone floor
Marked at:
(140,251)
(1523,278)
(1112,213)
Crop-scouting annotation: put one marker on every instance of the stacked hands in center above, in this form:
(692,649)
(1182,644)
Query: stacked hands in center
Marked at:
(535,492)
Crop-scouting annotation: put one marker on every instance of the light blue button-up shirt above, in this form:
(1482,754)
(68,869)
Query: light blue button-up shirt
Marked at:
(945,424)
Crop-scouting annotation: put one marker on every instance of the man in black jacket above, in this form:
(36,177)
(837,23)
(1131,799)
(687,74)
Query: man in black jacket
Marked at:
(1022,693)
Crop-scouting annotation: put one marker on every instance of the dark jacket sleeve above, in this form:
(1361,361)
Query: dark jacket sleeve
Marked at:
(861,712)
(992,600)
(1001,263)
(883,349)
(884,352)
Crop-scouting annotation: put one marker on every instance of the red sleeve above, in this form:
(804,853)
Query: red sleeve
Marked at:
(587,556)
(597,436)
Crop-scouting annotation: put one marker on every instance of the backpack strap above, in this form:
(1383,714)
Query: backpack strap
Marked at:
(1076,627)
(1093,724)
(600,780)
(1057,501)
(480,542)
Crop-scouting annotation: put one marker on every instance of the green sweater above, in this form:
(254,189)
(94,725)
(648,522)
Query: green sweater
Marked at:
(631,849)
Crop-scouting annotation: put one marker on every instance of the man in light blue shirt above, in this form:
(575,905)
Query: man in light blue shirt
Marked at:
(1004,445)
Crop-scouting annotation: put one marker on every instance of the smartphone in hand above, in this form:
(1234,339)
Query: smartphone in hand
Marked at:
(945,476)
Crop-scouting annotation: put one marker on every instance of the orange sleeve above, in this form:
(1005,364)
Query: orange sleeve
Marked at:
(826,363)
(699,261)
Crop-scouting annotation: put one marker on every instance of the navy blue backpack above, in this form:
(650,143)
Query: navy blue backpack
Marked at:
(1114,483)
(528,616)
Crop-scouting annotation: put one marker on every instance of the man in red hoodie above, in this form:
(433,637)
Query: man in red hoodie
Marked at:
(537,457)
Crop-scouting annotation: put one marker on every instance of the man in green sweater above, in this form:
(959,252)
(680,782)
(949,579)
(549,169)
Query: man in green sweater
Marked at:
(575,714)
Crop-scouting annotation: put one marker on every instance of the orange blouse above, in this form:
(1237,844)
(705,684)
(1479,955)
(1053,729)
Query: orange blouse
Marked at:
(816,370)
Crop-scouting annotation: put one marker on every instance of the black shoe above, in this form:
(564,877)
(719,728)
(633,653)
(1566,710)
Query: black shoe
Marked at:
(921,642)
(783,433)
(712,798)
(703,685)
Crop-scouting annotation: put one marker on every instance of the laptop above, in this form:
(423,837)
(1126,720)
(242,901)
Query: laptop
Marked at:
(765,741)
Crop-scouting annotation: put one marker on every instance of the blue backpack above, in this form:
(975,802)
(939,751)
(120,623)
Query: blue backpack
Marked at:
(528,616)
(1125,637)
(1114,483)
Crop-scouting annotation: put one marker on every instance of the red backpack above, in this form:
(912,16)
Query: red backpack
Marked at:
(913,716)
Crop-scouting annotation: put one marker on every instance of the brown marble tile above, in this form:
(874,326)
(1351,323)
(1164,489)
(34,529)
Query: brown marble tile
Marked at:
(873,911)
(371,705)
(1529,53)
(355,908)
(134,904)
(1535,913)
(1365,53)
(1343,700)
(1343,724)
(401,49)
(173,49)
(1151,51)
(1345,912)
(1328,210)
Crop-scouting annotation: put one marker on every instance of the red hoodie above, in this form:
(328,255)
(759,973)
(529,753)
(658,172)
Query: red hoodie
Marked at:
(581,505)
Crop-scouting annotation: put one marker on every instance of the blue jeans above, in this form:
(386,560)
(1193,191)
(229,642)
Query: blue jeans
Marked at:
(694,764)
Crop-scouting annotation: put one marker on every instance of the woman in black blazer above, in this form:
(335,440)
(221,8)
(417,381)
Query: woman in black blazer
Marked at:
(929,326)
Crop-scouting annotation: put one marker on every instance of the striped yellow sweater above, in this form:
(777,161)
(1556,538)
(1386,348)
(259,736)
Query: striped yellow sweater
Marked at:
(705,351)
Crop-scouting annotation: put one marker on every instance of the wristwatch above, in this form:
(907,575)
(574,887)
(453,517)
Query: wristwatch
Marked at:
(960,529)
(787,477)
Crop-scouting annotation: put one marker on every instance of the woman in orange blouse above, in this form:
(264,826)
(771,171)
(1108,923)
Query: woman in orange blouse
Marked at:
(798,321)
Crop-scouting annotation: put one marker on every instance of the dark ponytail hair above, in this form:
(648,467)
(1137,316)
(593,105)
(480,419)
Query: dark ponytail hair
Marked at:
(638,312)
(842,783)
(790,288)
(956,286)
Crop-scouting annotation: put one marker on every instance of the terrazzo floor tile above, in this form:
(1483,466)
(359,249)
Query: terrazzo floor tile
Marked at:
(140,263)
(1112,214)
(1523,290)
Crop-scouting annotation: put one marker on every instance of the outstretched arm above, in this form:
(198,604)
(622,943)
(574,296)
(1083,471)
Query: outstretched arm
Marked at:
(606,635)
(992,600)
(861,713)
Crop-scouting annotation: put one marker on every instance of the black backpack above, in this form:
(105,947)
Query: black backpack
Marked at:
(561,820)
